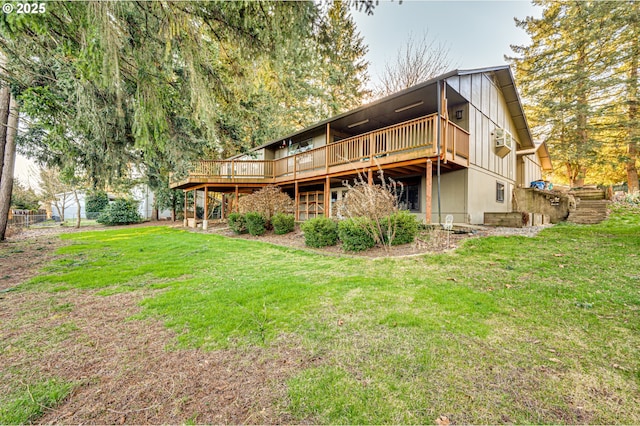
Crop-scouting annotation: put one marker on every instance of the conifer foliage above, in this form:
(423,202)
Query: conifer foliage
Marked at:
(579,78)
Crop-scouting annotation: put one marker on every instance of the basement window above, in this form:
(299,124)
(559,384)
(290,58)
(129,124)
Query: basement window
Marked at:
(408,195)
(500,192)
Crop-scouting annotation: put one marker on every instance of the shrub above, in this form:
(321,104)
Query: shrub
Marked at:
(268,201)
(120,212)
(283,223)
(237,223)
(400,228)
(320,232)
(255,223)
(355,234)
(96,203)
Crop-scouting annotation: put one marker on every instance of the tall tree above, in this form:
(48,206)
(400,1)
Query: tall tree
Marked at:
(343,67)
(572,77)
(420,59)
(6,183)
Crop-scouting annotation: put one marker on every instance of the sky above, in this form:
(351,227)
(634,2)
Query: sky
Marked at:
(477,33)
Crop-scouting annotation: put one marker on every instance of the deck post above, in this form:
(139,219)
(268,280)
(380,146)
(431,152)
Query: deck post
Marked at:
(222,202)
(195,207)
(184,215)
(205,222)
(237,197)
(370,176)
(429,184)
(327,196)
(326,150)
(296,201)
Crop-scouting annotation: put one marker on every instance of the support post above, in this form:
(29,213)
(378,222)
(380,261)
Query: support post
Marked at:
(237,198)
(222,203)
(327,197)
(205,222)
(195,208)
(296,202)
(428,189)
(184,215)
(370,176)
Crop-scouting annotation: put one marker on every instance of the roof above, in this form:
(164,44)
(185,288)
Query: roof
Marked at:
(384,111)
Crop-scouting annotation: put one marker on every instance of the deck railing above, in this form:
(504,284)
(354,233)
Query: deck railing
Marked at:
(418,134)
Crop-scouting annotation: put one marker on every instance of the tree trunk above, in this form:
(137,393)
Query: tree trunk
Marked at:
(6,184)
(5,97)
(78,208)
(634,132)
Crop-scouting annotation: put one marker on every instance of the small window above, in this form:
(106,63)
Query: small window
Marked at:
(500,192)
(299,147)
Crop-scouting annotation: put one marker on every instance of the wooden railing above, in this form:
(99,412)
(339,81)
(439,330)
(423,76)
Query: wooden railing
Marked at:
(418,134)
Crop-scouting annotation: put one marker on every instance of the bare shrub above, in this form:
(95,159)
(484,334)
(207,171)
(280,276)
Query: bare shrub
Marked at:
(268,201)
(376,202)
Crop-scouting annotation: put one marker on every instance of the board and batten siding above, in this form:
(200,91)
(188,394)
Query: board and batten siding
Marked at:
(487,111)
(531,170)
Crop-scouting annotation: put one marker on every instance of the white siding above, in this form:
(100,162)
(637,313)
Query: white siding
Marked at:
(482,194)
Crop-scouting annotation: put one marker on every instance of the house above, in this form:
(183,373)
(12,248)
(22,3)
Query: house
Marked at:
(458,143)
(141,193)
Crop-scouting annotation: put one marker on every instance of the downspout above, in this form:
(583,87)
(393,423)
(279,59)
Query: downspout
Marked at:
(438,141)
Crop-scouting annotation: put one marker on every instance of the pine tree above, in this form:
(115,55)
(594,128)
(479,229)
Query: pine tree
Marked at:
(342,52)
(555,73)
(579,85)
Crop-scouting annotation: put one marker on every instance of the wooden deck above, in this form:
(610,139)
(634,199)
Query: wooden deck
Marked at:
(401,143)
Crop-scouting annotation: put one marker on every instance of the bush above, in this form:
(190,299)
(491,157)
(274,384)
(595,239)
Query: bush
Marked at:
(237,223)
(256,223)
(268,201)
(96,203)
(283,223)
(120,212)
(355,234)
(320,232)
(406,228)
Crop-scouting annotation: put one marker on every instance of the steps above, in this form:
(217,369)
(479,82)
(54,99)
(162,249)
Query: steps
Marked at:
(591,206)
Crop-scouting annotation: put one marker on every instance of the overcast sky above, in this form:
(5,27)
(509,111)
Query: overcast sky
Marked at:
(478,34)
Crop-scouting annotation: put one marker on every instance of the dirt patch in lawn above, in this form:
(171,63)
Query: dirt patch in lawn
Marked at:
(124,373)
(123,370)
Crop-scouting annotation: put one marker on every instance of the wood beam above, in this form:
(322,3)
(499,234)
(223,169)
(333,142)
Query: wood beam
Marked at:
(428,189)
(296,201)
(205,217)
(184,215)
(222,205)
(327,196)
(370,176)
(237,198)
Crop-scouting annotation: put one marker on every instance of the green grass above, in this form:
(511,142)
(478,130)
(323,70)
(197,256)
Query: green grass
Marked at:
(30,401)
(505,329)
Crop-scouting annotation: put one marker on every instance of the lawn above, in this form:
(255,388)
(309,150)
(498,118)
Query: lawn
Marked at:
(504,329)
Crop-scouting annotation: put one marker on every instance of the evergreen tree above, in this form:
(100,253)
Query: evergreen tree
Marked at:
(579,81)
(342,51)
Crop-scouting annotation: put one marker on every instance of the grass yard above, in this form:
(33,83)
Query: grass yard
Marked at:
(503,330)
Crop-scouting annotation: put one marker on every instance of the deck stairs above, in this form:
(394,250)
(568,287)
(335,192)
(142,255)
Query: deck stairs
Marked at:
(591,206)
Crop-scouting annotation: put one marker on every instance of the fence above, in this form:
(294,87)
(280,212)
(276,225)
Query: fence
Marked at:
(26,220)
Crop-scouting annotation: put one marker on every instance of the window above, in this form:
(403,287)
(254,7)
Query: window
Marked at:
(408,194)
(298,147)
(500,192)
